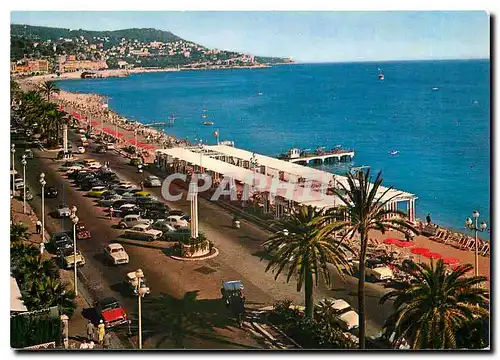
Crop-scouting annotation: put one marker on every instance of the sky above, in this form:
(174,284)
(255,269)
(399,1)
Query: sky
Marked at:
(314,36)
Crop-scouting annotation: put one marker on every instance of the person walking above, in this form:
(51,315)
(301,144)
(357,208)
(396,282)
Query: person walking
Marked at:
(111,211)
(90,330)
(428,218)
(38,226)
(101,331)
(107,341)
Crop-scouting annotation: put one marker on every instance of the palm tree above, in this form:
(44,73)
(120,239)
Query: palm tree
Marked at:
(431,310)
(19,232)
(364,204)
(33,268)
(48,88)
(304,252)
(19,253)
(47,292)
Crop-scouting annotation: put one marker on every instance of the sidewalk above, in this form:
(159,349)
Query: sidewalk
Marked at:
(84,301)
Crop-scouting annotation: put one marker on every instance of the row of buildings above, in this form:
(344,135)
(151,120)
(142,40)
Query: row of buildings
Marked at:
(63,64)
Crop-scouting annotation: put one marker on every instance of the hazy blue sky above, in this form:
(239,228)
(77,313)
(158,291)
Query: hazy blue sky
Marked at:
(304,36)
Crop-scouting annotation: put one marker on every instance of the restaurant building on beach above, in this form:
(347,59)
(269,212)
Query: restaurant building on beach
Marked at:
(275,185)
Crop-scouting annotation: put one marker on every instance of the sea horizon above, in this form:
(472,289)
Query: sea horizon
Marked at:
(442,112)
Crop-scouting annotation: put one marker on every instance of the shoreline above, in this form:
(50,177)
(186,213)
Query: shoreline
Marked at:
(89,105)
(111,73)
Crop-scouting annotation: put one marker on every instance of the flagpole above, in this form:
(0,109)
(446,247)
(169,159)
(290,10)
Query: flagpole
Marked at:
(217,136)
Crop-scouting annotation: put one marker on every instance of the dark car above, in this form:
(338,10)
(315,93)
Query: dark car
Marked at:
(155,205)
(177,212)
(101,149)
(88,185)
(61,240)
(155,214)
(121,202)
(144,200)
(110,312)
(107,194)
(131,211)
(50,192)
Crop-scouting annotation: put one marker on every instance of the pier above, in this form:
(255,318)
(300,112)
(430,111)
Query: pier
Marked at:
(318,157)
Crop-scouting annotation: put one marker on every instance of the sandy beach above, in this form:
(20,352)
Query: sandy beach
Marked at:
(90,108)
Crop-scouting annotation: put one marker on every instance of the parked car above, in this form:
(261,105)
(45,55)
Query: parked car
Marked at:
(155,214)
(163,226)
(101,149)
(68,258)
(130,210)
(180,234)
(376,270)
(50,192)
(29,194)
(130,221)
(116,254)
(155,205)
(110,311)
(110,146)
(82,232)
(177,221)
(62,211)
(60,240)
(108,201)
(122,201)
(152,181)
(345,316)
(108,194)
(80,149)
(143,231)
(96,191)
(29,154)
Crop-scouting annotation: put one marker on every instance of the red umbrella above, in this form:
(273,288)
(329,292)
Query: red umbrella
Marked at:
(404,244)
(432,255)
(419,251)
(391,241)
(451,260)
(132,141)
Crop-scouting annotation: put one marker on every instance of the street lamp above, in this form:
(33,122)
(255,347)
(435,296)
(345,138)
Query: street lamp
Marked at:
(472,225)
(23,162)
(13,151)
(42,183)
(75,220)
(141,291)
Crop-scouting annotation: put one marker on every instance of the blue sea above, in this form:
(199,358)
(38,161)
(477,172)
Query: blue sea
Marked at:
(436,114)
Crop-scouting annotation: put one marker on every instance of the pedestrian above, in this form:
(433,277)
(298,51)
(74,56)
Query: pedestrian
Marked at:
(102,331)
(84,344)
(38,226)
(90,330)
(428,218)
(107,341)
(111,210)
(42,248)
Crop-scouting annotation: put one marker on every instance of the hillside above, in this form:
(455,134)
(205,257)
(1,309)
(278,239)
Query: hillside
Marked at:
(129,47)
(42,33)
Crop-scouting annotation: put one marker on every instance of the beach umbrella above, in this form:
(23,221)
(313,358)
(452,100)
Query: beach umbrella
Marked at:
(391,241)
(431,256)
(419,251)
(404,244)
(451,260)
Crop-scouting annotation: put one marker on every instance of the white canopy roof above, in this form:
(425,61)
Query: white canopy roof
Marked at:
(301,195)
(16,304)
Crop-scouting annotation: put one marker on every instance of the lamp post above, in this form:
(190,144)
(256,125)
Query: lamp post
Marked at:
(472,225)
(13,151)
(23,162)
(75,220)
(141,291)
(42,183)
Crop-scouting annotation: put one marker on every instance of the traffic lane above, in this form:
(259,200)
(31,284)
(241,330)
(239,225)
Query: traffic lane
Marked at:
(250,237)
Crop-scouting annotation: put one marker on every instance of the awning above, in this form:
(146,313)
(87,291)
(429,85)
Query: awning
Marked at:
(16,304)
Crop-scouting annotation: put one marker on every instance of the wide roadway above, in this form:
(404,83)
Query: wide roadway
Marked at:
(197,284)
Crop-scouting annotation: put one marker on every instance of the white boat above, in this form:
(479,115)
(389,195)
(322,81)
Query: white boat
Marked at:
(435,89)
(393,152)
(260,94)
(381,76)
(208,122)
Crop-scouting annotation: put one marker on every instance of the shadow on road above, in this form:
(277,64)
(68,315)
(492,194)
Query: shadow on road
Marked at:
(188,322)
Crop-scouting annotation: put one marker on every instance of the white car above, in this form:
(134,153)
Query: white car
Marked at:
(116,254)
(18,184)
(130,221)
(80,150)
(345,316)
(94,165)
(144,231)
(72,169)
(376,270)
(163,226)
(110,146)
(177,221)
(152,181)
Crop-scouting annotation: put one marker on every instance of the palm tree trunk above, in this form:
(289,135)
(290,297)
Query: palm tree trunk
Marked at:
(361,290)
(309,300)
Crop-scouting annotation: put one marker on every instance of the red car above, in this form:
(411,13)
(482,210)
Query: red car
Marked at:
(81,232)
(110,311)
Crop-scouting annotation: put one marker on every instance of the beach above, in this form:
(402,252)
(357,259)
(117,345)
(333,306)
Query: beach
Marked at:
(90,108)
